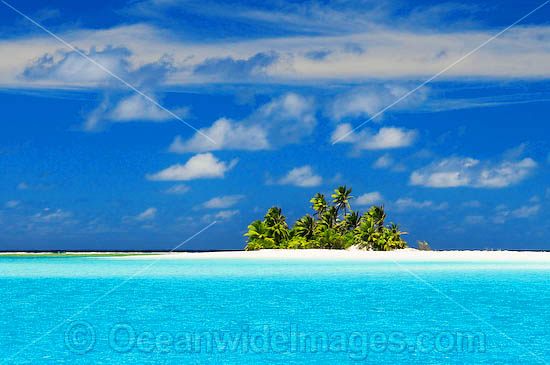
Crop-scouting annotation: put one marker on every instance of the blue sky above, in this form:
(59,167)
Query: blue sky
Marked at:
(87,163)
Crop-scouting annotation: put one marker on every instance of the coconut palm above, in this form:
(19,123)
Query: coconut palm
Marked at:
(276,225)
(341,198)
(319,204)
(305,227)
(352,221)
(335,227)
(258,235)
(378,216)
(330,218)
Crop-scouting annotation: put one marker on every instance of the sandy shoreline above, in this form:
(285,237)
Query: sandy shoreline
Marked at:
(397,255)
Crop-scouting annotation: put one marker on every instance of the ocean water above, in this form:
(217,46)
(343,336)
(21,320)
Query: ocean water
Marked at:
(90,310)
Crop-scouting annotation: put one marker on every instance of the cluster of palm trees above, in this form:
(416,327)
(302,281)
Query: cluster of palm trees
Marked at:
(334,226)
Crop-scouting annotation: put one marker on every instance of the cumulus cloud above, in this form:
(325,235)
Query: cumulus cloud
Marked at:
(178,189)
(136,107)
(284,120)
(465,171)
(200,166)
(227,134)
(289,117)
(408,203)
(366,139)
(369,199)
(301,176)
(383,161)
(221,202)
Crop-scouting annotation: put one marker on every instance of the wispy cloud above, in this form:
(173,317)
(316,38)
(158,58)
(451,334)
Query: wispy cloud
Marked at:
(147,215)
(221,202)
(12,203)
(222,215)
(409,203)
(177,189)
(465,171)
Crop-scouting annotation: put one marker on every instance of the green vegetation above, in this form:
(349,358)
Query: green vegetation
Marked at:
(332,226)
(423,246)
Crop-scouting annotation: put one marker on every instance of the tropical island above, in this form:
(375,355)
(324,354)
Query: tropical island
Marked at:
(332,226)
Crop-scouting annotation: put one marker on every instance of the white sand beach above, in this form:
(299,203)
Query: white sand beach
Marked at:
(408,254)
(405,255)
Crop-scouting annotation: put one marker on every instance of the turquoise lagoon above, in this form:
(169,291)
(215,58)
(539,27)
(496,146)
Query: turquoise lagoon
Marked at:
(233,311)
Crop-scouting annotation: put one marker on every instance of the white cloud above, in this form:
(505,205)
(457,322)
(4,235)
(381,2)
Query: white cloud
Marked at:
(177,189)
(225,201)
(200,166)
(222,215)
(366,139)
(471,204)
(137,108)
(389,52)
(73,68)
(58,215)
(228,135)
(284,120)
(147,215)
(503,214)
(369,198)
(465,171)
(407,203)
(526,211)
(367,101)
(289,118)
(12,203)
(383,161)
(301,176)
(226,214)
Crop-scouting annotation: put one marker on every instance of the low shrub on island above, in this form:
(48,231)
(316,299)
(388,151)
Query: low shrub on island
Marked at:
(334,226)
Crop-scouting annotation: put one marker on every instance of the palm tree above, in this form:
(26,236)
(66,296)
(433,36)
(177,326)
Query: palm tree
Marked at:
(305,227)
(330,218)
(352,221)
(319,204)
(258,233)
(341,198)
(276,225)
(378,215)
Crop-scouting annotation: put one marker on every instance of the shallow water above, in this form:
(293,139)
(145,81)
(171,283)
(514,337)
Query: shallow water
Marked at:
(85,310)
